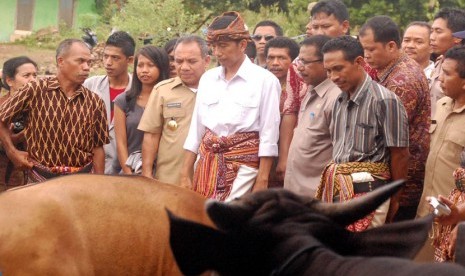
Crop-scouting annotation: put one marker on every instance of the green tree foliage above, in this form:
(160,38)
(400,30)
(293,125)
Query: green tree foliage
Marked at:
(160,19)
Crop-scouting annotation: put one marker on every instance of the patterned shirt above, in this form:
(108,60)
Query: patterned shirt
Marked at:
(406,79)
(364,127)
(60,131)
(295,91)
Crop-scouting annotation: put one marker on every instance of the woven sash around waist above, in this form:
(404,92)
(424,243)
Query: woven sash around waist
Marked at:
(220,159)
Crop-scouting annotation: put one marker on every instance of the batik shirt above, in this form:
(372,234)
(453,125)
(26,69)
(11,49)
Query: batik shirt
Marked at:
(60,130)
(405,78)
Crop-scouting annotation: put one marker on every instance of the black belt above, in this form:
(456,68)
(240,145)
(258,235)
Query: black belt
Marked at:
(369,186)
(364,187)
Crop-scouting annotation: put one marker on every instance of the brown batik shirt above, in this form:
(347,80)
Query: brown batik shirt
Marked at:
(60,131)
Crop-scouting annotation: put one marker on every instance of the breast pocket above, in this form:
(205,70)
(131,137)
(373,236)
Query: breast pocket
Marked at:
(364,137)
(245,106)
(456,137)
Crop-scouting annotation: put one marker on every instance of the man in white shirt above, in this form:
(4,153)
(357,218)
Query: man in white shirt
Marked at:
(235,123)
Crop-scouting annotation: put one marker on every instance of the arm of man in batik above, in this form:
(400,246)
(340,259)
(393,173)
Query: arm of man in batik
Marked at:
(99,160)
(399,170)
(19,158)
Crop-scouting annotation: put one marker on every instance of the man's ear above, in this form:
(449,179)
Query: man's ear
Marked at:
(360,61)
(345,26)
(131,60)
(457,41)
(400,239)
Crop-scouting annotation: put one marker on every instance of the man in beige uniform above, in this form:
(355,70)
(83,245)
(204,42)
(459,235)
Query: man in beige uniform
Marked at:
(446,22)
(311,148)
(168,114)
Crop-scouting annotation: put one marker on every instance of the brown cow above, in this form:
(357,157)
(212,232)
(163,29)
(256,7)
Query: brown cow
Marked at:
(92,225)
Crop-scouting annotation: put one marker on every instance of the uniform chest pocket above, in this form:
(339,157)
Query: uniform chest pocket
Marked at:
(456,137)
(174,112)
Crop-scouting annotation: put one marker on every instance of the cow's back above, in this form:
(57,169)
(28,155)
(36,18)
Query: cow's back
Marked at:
(92,224)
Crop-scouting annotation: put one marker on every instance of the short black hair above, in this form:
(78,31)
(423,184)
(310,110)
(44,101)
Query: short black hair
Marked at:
(277,29)
(350,47)
(317,41)
(283,42)
(66,44)
(169,46)
(423,24)
(195,39)
(331,7)
(10,68)
(124,41)
(455,18)
(251,49)
(457,53)
(384,29)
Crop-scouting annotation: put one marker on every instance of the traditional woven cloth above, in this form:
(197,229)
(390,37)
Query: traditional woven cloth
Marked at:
(336,180)
(441,233)
(220,159)
(237,30)
(40,173)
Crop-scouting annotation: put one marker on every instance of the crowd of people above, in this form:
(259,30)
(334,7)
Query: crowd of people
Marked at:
(333,117)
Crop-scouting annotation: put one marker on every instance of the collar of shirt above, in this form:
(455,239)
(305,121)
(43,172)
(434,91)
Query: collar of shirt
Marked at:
(322,88)
(53,84)
(449,104)
(243,71)
(177,82)
(359,94)
(384,73)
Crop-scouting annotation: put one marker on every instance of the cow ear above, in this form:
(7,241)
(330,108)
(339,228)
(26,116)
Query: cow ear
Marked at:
(227,216)
(195,247)
(350,211)
(400,239)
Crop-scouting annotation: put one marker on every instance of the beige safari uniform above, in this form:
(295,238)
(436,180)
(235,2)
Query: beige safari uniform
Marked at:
(311,147)
(435,89)
(170,100)
(447,142)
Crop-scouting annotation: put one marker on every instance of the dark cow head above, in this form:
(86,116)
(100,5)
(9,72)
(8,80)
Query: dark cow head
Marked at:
(259,232)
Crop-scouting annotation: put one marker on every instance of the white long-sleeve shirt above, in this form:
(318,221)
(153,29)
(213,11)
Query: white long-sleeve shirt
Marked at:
(247,102)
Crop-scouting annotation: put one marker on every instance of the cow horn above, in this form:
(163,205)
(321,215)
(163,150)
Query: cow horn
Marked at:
(348,212)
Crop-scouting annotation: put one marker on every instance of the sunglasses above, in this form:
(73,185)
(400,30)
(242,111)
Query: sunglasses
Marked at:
(258,37)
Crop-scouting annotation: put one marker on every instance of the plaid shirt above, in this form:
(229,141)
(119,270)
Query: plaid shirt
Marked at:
(364,127)
(60,131)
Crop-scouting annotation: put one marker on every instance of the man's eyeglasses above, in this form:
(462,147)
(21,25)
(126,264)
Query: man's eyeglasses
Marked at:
(303,62)
(258,37)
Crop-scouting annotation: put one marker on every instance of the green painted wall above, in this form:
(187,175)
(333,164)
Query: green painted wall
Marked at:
(45,14)
(7,19)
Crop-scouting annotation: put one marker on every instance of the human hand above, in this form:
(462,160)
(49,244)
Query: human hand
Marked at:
(453,217)
(20,159)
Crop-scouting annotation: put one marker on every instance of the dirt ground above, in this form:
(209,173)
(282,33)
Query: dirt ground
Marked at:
(45,58)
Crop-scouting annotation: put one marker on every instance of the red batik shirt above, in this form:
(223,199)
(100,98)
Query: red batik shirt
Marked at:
(405,77)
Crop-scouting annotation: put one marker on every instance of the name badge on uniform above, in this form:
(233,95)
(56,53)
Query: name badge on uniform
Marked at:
(173,105)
